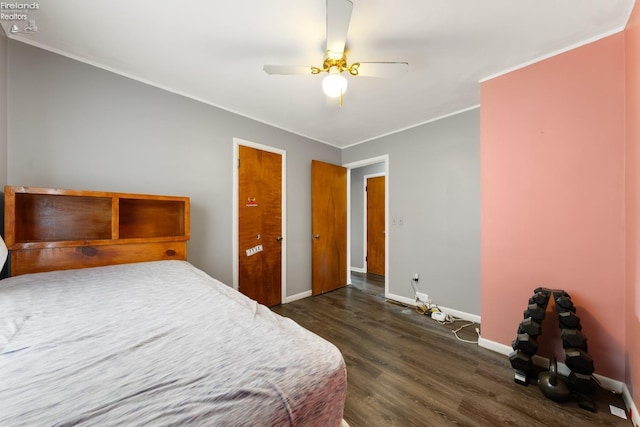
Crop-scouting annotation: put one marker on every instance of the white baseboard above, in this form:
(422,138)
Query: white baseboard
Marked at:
(631,406)
(358,269)
(450,311)
(297,297)
(401,299)
(505,350)
(606,382)
(460,314)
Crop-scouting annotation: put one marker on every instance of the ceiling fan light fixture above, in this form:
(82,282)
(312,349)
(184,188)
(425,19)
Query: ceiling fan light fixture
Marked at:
(334,84)
(334,54)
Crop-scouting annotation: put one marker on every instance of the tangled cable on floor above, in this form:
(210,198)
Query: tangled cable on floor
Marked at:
(427,309)
(455,332)
(449,320)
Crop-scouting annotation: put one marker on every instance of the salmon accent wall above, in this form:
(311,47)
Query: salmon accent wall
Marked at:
(632,292)
(552,179)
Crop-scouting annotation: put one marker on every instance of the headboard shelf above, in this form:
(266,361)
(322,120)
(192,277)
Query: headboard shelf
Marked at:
(51,218)
(50,221)
(169,215)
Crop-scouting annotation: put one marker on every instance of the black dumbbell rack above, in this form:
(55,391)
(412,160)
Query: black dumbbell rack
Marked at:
(581,380)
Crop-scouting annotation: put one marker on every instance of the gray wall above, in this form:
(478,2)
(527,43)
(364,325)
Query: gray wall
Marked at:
(76,126)
(434,185)
(357,212)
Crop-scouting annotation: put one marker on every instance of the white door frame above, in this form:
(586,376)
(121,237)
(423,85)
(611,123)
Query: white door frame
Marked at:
(360,163)
(237,142)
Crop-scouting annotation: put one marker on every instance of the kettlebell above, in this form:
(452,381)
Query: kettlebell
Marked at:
(552,386)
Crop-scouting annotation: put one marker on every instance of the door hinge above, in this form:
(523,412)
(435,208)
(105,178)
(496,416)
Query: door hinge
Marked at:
(238,163)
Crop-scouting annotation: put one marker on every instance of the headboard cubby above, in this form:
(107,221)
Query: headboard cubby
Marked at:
(52,229)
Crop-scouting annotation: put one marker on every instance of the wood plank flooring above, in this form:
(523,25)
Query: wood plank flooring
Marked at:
(370,283)
(405,369)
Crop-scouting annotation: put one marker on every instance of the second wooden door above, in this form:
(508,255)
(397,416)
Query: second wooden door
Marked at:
(329,226)
(376,234)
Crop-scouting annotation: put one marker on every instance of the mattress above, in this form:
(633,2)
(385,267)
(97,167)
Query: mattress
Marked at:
(157,343)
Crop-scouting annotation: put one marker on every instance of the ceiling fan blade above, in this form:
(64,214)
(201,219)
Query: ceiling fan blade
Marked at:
(383,69)
(287,69)
(338,18)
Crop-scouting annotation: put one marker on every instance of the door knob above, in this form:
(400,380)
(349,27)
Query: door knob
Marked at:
(316,236)
(279,239)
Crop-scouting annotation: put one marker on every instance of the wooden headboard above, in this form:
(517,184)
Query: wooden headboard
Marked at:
(51,229)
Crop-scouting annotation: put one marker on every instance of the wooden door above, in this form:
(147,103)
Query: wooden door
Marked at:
(329,226)
(260,225)
(375,225)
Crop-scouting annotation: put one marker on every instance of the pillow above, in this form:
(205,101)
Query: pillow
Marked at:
(3,253)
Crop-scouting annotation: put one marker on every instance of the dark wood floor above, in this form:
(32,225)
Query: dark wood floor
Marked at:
(370,283)
(405,369)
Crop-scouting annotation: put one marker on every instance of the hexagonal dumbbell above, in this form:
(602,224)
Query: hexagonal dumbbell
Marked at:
(557,293)
(526,343)
(564,303)
(535,311)
(581,383)
(545,291)
(579,361)
(521,361)
(573,338)
(521,378)
(530,326)
(586,402)
(540,298)
(569,320)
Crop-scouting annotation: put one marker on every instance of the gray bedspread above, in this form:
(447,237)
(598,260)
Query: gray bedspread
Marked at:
(159,343)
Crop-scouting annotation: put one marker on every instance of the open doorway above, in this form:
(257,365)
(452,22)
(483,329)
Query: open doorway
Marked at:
(367,269)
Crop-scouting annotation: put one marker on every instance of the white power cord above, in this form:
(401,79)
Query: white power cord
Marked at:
(427,308)
(422,307)
(449,320)
(455,332)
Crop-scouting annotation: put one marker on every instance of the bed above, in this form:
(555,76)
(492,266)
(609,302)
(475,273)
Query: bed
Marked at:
(156,343)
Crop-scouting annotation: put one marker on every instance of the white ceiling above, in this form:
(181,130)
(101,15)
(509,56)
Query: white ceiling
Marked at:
(213,51)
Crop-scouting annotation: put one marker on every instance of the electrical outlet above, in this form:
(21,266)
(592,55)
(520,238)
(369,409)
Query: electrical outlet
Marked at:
(422,297)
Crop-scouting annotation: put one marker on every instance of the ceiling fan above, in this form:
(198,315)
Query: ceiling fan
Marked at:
(335,62)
